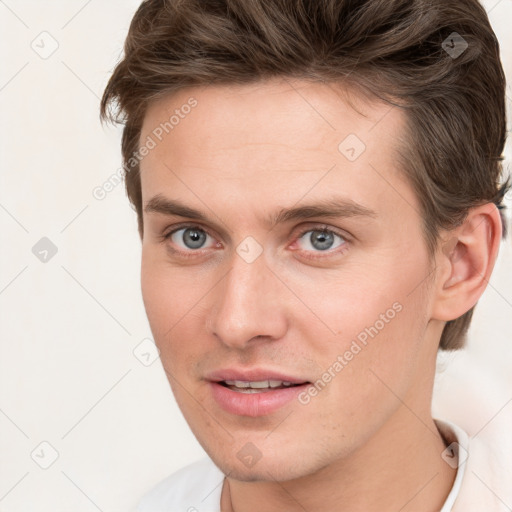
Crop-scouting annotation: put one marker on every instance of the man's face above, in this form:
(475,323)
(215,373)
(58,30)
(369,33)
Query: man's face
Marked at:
(339,300)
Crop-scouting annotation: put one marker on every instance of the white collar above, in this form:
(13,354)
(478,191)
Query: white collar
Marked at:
(457,442)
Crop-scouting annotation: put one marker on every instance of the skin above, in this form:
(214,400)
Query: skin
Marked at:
(367,441)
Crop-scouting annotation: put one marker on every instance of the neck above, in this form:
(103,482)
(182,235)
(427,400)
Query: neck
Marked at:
(399,468)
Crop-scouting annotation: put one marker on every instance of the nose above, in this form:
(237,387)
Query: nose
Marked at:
(247,304)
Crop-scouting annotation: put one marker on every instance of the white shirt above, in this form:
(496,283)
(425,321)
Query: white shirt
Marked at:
(479,486)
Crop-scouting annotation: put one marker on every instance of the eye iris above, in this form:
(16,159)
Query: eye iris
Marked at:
(193,238)
(321,240)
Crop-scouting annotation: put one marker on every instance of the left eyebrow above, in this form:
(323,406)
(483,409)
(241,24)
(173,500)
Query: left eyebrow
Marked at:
(331,208)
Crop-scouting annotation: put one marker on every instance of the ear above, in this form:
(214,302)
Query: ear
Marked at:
(465,262)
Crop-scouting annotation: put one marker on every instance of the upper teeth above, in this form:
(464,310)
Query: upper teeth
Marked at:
(260,384)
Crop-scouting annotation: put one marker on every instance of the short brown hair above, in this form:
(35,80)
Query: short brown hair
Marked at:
(395,50)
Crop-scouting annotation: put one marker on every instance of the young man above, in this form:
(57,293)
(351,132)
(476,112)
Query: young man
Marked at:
(318,192)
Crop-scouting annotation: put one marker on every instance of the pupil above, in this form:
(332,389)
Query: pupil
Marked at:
(321,240)
(193,238)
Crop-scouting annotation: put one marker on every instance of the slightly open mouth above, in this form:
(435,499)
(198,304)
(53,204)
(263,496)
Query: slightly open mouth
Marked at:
(258,387)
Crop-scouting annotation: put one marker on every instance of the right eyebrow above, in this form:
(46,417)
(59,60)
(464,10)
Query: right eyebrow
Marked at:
(164,206)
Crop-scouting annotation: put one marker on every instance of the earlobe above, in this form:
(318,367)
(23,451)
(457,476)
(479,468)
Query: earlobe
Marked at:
(466,260)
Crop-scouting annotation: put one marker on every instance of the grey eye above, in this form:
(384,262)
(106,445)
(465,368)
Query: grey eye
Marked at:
(193,238)
(189,238)
(320,240)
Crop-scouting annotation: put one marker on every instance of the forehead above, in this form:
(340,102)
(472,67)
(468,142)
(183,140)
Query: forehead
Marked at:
(288,138)
(269,113)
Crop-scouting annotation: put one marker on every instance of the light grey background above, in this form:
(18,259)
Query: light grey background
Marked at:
(73,374)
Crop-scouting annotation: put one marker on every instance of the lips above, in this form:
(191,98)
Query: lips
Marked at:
(252,375)
(260,386)
(254,392)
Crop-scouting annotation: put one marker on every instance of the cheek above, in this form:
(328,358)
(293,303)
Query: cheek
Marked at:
(376,323)
(349,304)
(155,294)
(167,292)
(164,299)
(174,303)
(365,369)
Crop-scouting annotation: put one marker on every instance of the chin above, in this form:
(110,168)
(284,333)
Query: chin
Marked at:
(267,469)
(260,473)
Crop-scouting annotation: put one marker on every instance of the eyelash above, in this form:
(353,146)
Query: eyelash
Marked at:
(320,227)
